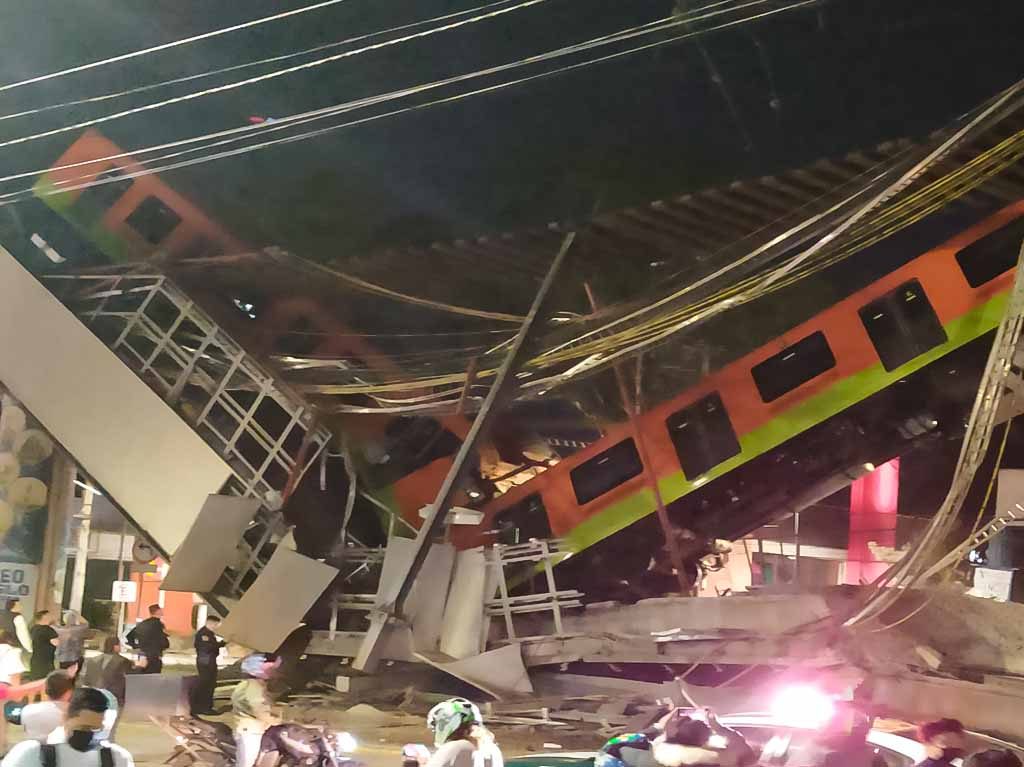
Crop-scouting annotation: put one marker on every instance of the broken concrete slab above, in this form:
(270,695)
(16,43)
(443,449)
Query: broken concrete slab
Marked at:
(278,600)
(980,707)
(756,614)
(807,649)
(211,542)
(462,634)
(499,673)
(396,645)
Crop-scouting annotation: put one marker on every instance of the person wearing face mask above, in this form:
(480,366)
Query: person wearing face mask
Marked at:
(944,740)
(82,740)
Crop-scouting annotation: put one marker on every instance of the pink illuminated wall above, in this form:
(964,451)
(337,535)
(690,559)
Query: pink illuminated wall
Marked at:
(873,502)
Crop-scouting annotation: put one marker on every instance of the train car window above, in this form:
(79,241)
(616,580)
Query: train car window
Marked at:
(605,471)
(153,220)
(995,253)
(703,435)
(522,521)
(902,325)
(795,365)
(107,189)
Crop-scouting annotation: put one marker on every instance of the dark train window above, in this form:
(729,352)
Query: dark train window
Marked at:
(793,366)
(993,254)
(703,435)
(605,471)
(522,521)
(902,325)
(153,220)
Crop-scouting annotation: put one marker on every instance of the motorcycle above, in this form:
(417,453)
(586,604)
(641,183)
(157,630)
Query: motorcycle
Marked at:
(295,745)
(199,743)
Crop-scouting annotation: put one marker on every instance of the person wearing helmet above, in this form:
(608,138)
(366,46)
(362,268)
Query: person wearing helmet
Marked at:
(253,706)
(679,739)
(460,736)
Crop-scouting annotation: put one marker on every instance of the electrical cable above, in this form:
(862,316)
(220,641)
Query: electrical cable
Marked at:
(266,76)
(236,67)
(166,46)
(27,193)
(973,450)
(347,389)
(325,112)
(974,529)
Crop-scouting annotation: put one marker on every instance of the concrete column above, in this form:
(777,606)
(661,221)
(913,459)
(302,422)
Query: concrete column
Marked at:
(50,588)
(874,499)
(81,552)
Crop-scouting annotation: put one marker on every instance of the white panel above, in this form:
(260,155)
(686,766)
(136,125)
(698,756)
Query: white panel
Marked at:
(462,634)
(426,603)
(211,544)
(142,453)
(277,601)
(1010,491)
(429,596)
(499,673)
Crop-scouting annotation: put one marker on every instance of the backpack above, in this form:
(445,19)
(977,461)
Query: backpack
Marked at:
(48,756)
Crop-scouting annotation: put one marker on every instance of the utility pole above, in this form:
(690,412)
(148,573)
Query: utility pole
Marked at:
(84,518)
(503,386)
(122,607)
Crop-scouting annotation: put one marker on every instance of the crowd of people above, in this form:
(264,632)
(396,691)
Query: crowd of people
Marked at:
(75,722)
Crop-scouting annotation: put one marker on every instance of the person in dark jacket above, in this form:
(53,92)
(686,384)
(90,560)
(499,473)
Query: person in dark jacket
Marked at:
(150,639)
(944,740)
(208,646)
(44,645)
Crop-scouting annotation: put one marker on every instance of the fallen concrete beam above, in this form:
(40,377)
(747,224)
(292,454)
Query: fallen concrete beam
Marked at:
(986,707)
(810,650)
(760,614)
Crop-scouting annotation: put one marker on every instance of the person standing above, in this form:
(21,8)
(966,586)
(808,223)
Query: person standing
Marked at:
(79,743)
(107,672)
(208,646)
(21,631)
(11,669)
(71,642)
(40,719)
(44,645)
(150,639)
(253,707)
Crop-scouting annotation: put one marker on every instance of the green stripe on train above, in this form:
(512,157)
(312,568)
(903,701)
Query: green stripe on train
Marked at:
(815,410)
(88,221)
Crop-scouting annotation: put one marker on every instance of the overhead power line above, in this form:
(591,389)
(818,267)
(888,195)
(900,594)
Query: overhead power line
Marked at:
(166,46)
(293,120)
(246,65)
(266,76)
(698,14)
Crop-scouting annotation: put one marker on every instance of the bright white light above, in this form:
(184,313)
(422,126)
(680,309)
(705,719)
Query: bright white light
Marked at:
(803,706)
(88,487)
(347,744)
(869,467)
(474,494)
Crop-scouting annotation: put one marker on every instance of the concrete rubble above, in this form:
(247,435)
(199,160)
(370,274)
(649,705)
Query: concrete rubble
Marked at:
(612,666)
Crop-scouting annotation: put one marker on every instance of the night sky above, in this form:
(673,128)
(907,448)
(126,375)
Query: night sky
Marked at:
(802,85)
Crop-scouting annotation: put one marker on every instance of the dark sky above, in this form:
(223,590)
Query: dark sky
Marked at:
(803,85)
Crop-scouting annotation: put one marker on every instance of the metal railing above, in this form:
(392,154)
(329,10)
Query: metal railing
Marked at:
(266,433)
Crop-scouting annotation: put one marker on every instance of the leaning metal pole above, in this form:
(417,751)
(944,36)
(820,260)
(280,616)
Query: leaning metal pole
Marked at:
(438,511)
